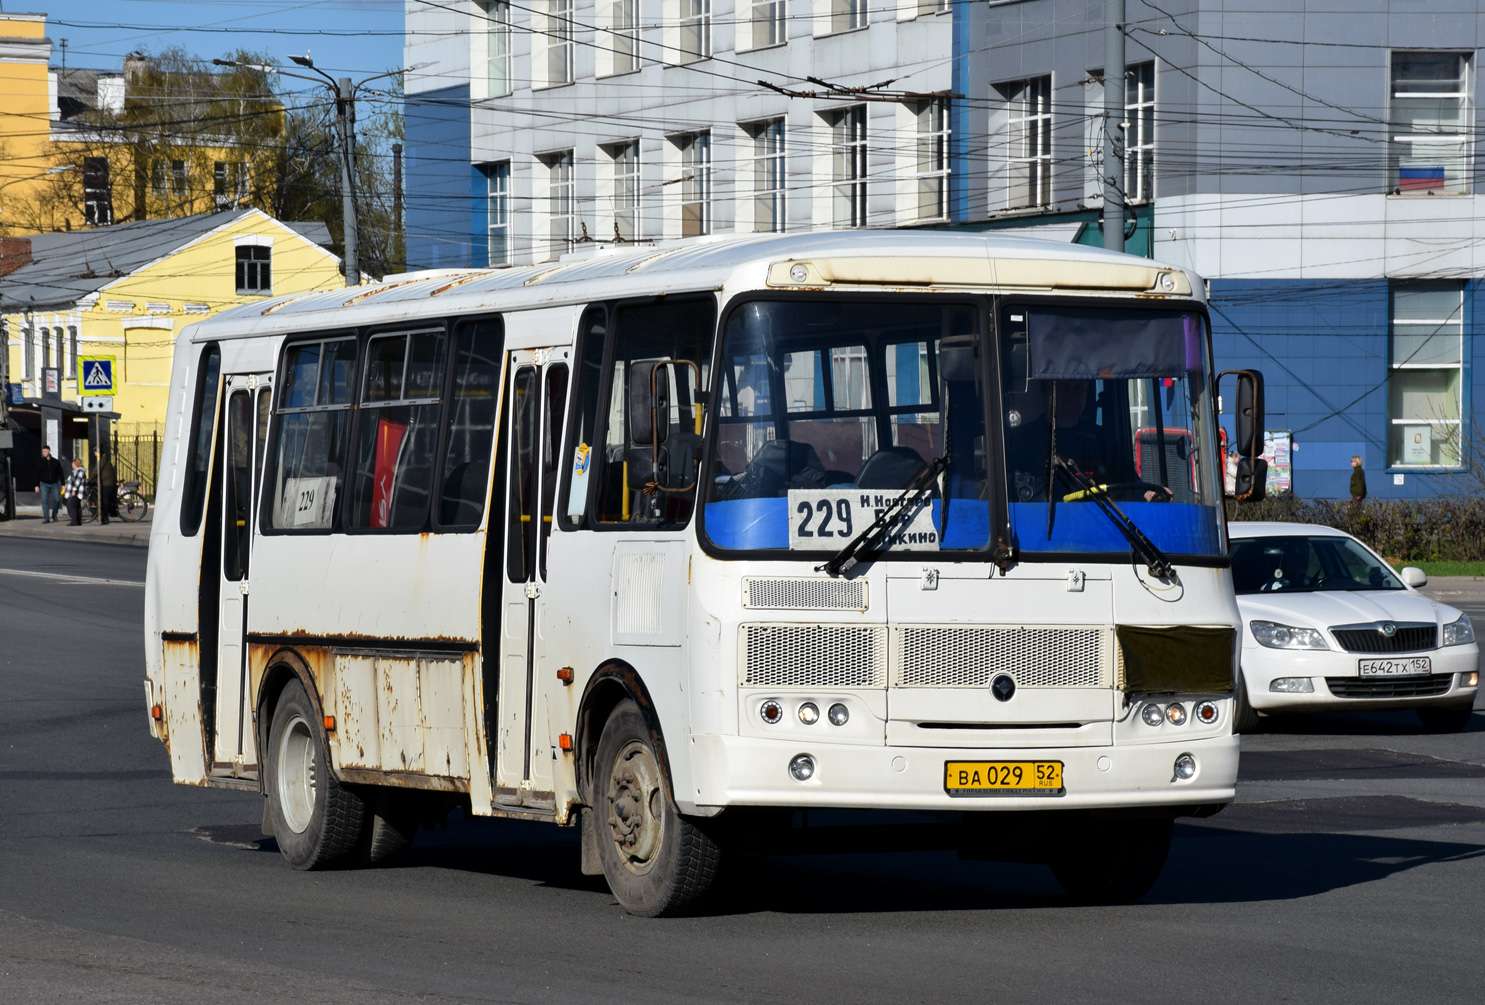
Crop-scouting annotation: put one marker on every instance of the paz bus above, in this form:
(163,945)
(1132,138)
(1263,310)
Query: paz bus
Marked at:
(672,543)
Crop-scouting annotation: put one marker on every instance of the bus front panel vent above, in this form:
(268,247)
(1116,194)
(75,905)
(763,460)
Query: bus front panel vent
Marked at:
(771,594)
(813,656)
(957,656)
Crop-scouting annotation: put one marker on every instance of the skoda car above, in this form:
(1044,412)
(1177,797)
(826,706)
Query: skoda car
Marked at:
(1328,625)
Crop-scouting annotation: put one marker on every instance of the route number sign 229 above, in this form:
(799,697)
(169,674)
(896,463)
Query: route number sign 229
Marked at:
(825,519)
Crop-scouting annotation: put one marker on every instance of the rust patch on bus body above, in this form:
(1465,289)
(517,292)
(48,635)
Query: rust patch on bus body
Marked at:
(182,725)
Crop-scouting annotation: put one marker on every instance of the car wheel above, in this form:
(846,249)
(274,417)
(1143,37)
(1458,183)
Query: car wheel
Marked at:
(317,822)
(656,861)
(1445,718)
(1113,860)
(1244,715)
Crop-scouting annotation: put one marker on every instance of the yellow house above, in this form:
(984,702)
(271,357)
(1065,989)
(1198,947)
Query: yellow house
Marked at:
(25,110)
(128,290)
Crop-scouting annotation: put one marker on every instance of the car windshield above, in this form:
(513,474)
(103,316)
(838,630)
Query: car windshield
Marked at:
(826,410)
(1305,564)
(1108,404)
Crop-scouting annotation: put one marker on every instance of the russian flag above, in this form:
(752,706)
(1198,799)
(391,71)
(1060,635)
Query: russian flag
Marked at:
(1420,179)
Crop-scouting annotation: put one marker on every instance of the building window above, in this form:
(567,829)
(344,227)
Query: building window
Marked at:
(848,150)
(46,348)
(178,179)
(926,7)
(497,188)
(933,159)
(159,168)
(624,35)
(254,269)
(1423,379)
(71,351)
(1429,115)
(28,360)
(1139,140)
(1030,119)
(696,30)
(97,192)
(230,184)
(768,176)
(559,42)
(497,45)
(696,183)
(847,14)
(766,26)
(561,203)
(626,190)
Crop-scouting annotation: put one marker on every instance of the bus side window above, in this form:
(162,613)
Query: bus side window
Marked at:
(671,329)
(203,424)
(471,425)
(582,428)
(314,420)
(554,407)
(398,438)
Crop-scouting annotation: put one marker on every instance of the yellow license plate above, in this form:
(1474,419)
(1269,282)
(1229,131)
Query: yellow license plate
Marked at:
(1003,778)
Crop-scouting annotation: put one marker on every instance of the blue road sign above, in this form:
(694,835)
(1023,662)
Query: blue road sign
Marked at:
(97,375)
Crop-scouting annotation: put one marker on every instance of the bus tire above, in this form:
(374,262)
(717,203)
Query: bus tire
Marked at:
(657,862)
(1113,860)
(391,824)
(317,822)
(1244,715)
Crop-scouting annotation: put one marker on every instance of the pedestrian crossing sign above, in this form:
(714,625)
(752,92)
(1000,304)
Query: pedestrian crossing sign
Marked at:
(96,375)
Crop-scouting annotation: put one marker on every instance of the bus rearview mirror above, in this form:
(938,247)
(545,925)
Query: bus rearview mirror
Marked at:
(649,402)
(1249,419)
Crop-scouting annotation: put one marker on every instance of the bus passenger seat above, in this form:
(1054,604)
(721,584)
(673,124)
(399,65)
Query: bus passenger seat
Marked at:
(890,468)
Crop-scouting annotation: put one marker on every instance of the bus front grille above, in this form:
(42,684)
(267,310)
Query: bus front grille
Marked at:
(813,656)
(818,594)
(956,656)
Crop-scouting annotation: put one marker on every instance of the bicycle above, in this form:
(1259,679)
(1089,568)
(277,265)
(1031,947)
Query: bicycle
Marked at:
(130,505)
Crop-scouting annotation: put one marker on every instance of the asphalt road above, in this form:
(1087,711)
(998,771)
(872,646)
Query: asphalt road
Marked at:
(1351,870)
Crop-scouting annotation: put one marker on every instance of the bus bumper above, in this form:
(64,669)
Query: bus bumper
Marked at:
(747,771)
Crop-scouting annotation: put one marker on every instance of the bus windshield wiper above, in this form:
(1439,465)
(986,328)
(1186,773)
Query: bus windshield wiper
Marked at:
(904,502)
(1153,557)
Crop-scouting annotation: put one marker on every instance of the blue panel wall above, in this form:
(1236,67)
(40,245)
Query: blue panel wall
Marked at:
(1322,346)
(437,186)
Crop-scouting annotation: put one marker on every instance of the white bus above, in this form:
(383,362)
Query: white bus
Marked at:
(674,543)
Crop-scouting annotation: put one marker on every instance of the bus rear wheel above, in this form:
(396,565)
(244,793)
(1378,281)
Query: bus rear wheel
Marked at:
(657,862)
(1113,860)
(317,822)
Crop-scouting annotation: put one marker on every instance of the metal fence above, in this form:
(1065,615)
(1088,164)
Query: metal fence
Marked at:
(136,454)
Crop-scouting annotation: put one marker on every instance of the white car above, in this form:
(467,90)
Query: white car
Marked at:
(1328,625)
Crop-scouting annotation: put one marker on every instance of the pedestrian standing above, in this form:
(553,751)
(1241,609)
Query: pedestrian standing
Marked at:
(1358,480)
(77,487)
(51,485)
(108,486)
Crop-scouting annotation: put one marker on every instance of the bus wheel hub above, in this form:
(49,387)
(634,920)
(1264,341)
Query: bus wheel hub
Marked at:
(634,794)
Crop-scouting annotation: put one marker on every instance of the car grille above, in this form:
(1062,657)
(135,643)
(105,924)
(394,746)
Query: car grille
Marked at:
(1390,687)
(1412,638)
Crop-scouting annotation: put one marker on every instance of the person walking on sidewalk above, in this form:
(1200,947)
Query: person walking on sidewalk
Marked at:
(1358,480)
(51,485)
(108,486)
(77,487)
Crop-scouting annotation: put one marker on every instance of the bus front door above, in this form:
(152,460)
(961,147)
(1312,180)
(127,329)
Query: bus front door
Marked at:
(241,461)
(537,395)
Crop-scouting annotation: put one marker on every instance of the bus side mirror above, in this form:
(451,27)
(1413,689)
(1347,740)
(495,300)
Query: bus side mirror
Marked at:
(649,402)
(1252,470)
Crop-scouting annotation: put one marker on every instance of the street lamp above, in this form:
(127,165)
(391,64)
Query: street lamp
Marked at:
(345,112)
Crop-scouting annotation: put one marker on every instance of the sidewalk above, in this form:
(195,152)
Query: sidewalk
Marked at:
(27,523)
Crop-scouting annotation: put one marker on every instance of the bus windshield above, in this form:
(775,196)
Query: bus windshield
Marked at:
(826,410)
(1108,405)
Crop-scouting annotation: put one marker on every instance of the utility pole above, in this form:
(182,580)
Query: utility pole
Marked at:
(1113,125)
(345,108)
(399,241)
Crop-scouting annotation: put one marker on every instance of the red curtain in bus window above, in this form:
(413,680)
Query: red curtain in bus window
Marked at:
(389,437)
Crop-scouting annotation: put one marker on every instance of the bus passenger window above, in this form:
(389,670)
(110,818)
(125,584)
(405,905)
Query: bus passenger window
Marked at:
(203,424)
(399,431)
(551,448)
(582,433)
(471,424)
(521,540)
(628,490)
(314,421)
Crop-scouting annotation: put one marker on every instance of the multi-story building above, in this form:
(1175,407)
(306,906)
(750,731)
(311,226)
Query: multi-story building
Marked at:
(538,128)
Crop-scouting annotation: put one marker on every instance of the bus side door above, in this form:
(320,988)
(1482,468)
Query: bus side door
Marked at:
(538,396)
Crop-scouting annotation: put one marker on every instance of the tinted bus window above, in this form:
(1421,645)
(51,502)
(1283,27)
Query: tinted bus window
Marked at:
(314,410)
(471,424)
(399,430)
(203,425)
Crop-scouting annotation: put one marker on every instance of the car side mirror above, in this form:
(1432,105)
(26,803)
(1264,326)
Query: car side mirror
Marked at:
(1414,576)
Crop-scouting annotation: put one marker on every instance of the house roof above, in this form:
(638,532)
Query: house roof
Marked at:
(65,267)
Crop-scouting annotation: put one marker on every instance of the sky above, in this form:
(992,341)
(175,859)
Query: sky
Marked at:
(352,37)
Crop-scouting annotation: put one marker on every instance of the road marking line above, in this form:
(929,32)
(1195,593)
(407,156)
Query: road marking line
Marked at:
(68,578)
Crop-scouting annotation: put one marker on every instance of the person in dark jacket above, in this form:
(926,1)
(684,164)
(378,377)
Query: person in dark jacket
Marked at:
(108,486)
(51,476)
(77,487)
(1358,480)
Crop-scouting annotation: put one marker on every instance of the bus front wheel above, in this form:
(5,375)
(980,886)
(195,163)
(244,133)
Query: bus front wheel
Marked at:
(657,862)
(1114,860)
(317,822)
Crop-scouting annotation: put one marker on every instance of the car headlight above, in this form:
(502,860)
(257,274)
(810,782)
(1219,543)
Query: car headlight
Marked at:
(1276,636)
(1460,632)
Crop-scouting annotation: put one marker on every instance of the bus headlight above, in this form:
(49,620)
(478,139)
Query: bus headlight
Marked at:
(1175,714)
(1206,712)
(1185,767)
(809,713)
(1152,714)
(802,767)
(771,711)
(839,714)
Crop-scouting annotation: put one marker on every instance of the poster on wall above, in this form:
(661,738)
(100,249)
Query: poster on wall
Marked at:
(1278,450)
(1417,445)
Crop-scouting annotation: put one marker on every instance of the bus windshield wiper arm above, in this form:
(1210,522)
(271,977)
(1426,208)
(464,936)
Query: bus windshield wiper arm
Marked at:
(1153,557)
(845,559)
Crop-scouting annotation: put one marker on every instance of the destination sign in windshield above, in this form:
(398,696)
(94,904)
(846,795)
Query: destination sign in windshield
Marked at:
(825,519)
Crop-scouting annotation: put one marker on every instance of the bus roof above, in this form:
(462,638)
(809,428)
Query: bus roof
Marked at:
(892,259)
